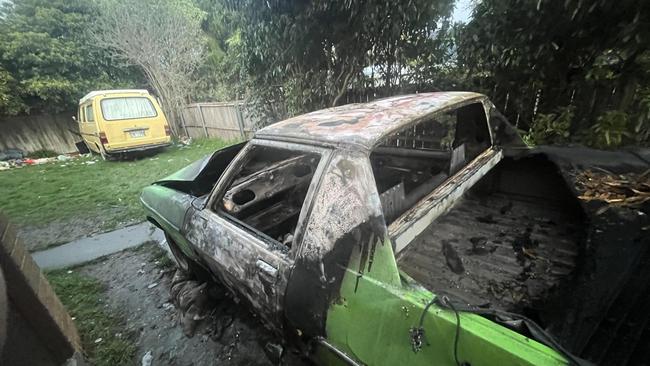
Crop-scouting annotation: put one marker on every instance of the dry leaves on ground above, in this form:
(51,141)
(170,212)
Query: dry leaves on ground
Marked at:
(627,190)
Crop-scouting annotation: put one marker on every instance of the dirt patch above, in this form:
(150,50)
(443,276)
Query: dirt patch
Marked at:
(138,288)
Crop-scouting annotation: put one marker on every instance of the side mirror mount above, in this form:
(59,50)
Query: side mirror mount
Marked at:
(199,202)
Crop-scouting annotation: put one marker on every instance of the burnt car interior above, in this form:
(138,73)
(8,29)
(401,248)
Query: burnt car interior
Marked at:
(509,243)
(512,243)
(268,192)
(414,161)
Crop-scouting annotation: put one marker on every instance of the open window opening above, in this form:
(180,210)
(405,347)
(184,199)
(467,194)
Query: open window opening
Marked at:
(269,190)
(411,163)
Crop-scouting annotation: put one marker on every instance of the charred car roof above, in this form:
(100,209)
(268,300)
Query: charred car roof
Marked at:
(364,124)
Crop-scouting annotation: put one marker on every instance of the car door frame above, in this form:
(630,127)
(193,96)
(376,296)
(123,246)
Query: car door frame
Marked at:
(248,240)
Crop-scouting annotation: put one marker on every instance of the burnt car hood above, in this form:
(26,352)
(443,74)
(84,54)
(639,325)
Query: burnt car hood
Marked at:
(198,178)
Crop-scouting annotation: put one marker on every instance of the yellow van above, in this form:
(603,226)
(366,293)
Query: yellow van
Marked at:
(115,122)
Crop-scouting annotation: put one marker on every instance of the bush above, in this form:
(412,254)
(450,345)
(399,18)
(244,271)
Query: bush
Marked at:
(609,130)
(551,128)
(42,154)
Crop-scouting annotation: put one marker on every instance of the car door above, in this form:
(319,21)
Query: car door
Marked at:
(247,230)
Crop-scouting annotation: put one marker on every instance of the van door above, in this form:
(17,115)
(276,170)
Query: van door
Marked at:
(86,128)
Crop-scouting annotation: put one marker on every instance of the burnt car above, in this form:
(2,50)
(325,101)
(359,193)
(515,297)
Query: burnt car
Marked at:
(418,230)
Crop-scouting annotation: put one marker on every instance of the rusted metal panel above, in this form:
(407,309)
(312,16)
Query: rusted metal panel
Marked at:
(366,124)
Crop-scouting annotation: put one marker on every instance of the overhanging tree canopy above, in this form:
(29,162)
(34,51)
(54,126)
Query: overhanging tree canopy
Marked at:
(47,59)
(310,54)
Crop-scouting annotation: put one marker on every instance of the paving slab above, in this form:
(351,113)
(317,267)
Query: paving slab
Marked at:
(88,249)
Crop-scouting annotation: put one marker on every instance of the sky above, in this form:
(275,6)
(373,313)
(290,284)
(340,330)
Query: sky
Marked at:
(462,11)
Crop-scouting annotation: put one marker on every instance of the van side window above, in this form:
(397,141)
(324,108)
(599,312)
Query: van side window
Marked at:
(90,115)
(82,114)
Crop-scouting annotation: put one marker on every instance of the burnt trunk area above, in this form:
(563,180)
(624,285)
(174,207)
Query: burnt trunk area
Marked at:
(510,243)
(521,241)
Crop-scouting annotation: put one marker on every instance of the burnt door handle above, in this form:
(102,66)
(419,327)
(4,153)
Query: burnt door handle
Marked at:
(266,268)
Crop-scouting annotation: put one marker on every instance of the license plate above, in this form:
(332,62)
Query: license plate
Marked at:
(137,133)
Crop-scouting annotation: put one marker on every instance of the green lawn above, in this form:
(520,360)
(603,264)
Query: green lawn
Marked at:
(39,194)
(83,297)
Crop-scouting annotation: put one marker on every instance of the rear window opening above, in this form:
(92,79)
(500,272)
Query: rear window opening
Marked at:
(411,163)
(269,191)
(127,108)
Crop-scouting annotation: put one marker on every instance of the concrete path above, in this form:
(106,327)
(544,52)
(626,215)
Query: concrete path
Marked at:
(87,249)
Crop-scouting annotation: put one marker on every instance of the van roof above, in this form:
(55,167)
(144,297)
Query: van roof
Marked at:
(95,93)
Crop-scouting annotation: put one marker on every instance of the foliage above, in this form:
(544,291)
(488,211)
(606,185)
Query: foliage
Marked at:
(222,76)
(551,128)
(555,41)
(542,54)
(301,56)
(47,60)
(83,298)
(609,130)
(162,38)
(42,154)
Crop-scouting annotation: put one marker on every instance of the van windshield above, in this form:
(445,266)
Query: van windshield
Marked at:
(127,108)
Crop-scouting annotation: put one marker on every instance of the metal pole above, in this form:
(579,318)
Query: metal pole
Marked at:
(240,121)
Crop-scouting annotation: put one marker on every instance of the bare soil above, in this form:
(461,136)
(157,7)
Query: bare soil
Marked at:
(138,289)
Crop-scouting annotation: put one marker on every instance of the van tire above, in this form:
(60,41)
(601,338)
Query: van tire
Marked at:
(82,148)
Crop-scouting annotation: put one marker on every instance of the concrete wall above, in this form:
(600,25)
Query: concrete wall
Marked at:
(38,132)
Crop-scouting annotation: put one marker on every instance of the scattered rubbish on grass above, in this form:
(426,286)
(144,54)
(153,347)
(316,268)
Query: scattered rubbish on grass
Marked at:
(11,154)
(98,340)
(147,358)
(185,141)
(17,159)
(152,285)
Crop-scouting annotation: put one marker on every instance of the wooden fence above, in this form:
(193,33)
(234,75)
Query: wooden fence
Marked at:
(225,120)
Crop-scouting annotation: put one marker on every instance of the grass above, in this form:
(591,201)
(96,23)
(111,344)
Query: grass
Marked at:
(83,298)
(91,187)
